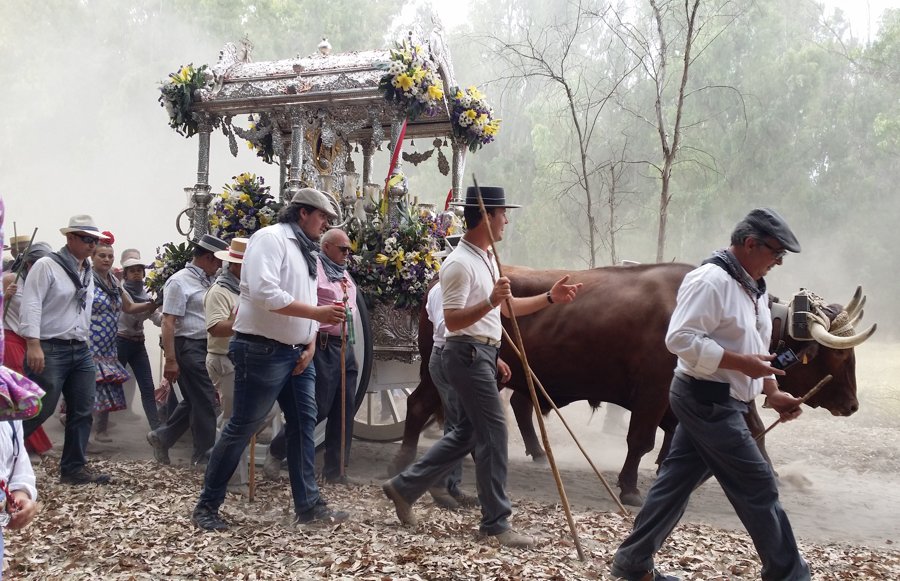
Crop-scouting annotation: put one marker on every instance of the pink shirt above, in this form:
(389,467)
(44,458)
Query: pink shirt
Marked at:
(331,292)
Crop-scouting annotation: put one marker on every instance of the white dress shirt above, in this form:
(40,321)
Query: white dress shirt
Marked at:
(274,275)
(50,309)
(467,276)
(15,468)
(434,308)
(713,315)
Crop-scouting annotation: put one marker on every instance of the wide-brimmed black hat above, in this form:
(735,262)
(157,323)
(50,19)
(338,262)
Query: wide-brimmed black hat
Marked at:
(493,198)
(768,222)
(211,243)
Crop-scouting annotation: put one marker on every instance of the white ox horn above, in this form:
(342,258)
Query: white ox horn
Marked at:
(856,303)
(823,337)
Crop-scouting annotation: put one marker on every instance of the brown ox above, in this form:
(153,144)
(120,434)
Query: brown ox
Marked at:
(609,346)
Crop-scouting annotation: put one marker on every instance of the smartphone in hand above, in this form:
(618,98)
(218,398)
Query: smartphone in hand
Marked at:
(785,359)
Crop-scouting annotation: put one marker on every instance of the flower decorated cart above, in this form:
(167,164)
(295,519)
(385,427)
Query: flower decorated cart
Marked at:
(321,118)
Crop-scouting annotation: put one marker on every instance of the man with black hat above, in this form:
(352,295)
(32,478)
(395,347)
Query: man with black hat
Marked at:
(720,331)
(474,295)
(272,350)
(55,321)
(184,344)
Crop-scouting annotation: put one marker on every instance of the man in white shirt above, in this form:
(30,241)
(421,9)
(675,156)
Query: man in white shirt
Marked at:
(55,321)
(720,331)
(472,294)
(272,351)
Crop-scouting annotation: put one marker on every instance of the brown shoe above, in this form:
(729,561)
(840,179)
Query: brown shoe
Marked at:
(403,508)
(442,498)
(510,538)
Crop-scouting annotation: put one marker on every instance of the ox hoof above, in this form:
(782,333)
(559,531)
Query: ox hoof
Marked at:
(539,458)
(631,498)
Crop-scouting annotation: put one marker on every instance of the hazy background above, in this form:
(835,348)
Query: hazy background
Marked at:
(793,105)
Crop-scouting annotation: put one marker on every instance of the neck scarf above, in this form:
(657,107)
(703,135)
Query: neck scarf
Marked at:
(309,249)
(729,263)
(229,281)
(333,271)
(71,267)
(107,286)
(136,291)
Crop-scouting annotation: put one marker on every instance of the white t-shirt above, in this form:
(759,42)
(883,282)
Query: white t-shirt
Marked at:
(713,315)
(434,308)
(467,278)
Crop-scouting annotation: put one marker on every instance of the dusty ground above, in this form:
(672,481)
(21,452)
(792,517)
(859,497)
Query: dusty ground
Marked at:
(839,485)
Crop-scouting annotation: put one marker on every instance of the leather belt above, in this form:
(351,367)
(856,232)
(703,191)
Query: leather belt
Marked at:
(325,338)
(264,340)
(56,341)
(477,339)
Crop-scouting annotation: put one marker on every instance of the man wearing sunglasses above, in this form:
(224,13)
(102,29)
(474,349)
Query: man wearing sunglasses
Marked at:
(720,331)
(333,284)
(55,320)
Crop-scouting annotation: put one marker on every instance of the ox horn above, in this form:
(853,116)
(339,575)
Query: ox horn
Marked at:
(823,337)
(856,303)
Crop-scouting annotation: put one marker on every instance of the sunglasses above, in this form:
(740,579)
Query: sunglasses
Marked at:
(87,239)
(344,249)
(778,253)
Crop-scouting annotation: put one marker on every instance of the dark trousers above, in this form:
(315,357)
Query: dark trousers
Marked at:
(68,370)
(262,376)
(452,409)
(328,400)
(471,370)
(712,439)
(133,352)
(196,410)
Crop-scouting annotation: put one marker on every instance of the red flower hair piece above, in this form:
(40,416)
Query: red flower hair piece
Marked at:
(108,234)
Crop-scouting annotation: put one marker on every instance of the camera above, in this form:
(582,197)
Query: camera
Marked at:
(785,359)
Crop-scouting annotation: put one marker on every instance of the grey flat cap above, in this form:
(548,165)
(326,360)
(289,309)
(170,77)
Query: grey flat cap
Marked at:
(767,221)
(316,199)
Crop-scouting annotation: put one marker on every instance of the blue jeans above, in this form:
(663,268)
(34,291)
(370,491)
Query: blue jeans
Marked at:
(452,409)
(712,439)
(133,352)
(68,371)
(472,371)
(262,376)
(328,401)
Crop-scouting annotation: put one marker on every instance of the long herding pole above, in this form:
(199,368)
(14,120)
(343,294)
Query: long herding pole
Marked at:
(344,378)
(803,400)
(21,264)
(534,400)
(622,509)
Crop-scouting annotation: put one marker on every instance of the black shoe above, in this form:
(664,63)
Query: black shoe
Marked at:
(160,452)
(465,501)
(321,514)
(651,575)
(84,476)
(208,519)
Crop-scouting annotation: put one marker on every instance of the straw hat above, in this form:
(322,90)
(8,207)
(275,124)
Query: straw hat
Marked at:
(235,252)
(84,224)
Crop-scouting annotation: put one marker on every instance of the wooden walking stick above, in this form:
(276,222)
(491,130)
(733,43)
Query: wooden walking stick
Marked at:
(524,358)
(251,493)
(803,400)
(344,378)
(622,509)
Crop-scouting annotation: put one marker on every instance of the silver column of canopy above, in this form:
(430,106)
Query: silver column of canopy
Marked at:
(202,196)
(296,172)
